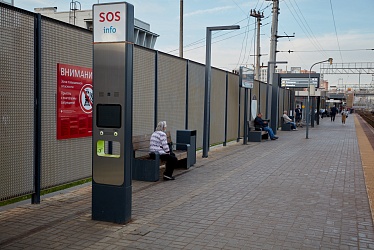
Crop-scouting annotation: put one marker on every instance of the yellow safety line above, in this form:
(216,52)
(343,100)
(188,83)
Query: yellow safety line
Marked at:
(366,152)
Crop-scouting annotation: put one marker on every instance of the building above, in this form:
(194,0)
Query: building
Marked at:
(83,18)
(324,84)
(264,73)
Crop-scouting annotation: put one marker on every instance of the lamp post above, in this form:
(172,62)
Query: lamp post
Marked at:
(208,84)
(308,102)
(181,29)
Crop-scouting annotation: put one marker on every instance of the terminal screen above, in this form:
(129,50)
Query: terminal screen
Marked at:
(108,115)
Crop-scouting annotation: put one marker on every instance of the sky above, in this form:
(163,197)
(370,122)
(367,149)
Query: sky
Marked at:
(341,29)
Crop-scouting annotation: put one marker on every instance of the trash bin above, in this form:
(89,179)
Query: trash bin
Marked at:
(188,137)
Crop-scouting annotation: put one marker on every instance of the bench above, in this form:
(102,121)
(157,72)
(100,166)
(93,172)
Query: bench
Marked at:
(285,126)
(255,132)
(145,168)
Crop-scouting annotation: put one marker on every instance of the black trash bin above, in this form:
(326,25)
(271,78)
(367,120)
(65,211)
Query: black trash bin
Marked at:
(188,137)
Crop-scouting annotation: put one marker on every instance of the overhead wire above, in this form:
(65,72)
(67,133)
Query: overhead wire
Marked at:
(219,40)
(202,40)
(216,35)
(336,33)
(246,41)
(304,29)
(292,46)
(329,50)
(245,38)
(308,27)
(254,34)
(240,8)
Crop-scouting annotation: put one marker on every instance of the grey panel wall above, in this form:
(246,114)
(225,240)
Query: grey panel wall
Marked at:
(196,88)
(143,91)
(16,103)
(232,107)
(217,106)
(62,160)
(263,103)
(171,92)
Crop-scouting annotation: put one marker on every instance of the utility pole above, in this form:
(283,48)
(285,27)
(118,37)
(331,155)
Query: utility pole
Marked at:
(258,16)
(181,29)
(272,56)
(273,40)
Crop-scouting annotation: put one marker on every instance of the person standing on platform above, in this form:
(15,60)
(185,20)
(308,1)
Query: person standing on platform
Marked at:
(298,116)
(334,110)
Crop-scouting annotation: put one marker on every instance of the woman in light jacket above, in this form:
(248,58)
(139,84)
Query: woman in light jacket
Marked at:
(159,143)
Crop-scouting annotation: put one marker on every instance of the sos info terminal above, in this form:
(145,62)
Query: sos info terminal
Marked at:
(113,41)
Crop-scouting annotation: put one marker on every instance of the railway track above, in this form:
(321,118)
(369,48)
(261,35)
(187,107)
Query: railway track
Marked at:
(368,117)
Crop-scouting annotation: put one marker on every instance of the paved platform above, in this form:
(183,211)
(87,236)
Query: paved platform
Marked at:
(292,193)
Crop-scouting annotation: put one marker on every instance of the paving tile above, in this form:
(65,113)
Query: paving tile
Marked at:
(293,193)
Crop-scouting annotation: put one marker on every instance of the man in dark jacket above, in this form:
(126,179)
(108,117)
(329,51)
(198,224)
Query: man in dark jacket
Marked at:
(333,113)
(298,115)
(264,124)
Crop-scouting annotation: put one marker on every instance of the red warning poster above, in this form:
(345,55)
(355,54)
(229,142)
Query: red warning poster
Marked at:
(74,101)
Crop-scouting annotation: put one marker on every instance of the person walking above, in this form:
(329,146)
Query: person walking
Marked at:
(344,116)
(158,143)
(333,113)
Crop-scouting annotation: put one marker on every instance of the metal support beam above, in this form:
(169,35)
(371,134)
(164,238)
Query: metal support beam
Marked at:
(348,68)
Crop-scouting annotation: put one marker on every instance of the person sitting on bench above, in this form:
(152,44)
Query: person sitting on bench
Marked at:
(288,120)
(264,125)
(159,143)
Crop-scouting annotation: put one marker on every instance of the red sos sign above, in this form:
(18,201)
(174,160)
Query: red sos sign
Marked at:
(110,16)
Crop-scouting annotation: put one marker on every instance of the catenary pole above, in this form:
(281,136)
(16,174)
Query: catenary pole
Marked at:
(258,17)
(272,56)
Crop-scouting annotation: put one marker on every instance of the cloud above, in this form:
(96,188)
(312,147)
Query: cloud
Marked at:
(213,10)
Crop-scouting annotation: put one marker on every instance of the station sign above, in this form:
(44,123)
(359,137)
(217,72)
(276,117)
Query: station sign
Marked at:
(247,77)
(298,82)
(74,101)
(109,22)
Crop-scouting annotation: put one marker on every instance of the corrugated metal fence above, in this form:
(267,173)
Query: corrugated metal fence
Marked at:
(165,88)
